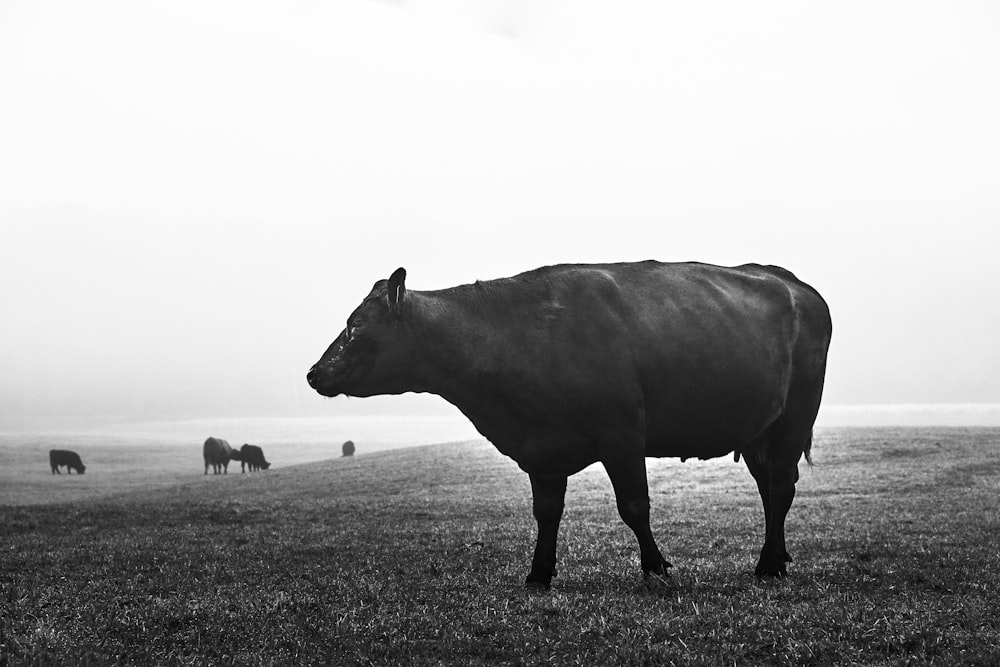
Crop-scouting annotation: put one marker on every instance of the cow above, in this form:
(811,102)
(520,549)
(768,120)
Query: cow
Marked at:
(347,449)
(252,456)
(64,457)
(218,454)
(569,365)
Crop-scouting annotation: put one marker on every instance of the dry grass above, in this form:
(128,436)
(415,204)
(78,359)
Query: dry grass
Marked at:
(417,557)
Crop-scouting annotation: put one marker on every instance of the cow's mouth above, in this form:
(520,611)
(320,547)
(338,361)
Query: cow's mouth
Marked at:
(319,379)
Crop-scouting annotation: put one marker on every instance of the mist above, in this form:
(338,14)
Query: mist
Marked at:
(196,195)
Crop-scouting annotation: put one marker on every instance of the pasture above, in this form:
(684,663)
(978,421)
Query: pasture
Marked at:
(417,556)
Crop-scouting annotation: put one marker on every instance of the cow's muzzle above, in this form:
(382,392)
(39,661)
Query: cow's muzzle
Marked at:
(317,377)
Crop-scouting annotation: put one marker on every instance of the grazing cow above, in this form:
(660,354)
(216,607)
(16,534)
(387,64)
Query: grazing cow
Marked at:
(218,454)
(348,448)
(252,456)
(569,365)
(64,457)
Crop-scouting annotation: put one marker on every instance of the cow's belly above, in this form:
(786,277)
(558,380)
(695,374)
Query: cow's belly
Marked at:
(560,452)
(708,424)
(716,397)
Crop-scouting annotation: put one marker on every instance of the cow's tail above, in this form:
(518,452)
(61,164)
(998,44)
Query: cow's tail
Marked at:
(808,448)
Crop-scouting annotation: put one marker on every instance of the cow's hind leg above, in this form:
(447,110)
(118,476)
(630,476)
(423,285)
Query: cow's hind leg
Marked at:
(628,477)
(776,483)
(548,497)
(775,468)
(782,477)
(789,438)
(753,457)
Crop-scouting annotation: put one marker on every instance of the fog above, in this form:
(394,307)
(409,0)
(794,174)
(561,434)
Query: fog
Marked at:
(195,195)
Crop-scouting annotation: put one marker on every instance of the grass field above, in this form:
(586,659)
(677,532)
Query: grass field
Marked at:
(417,556)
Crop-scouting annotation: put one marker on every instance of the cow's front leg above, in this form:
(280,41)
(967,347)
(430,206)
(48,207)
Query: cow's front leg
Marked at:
(548,497)
(628,476)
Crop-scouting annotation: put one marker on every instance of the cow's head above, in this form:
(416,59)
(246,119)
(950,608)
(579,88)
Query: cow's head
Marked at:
(370,355)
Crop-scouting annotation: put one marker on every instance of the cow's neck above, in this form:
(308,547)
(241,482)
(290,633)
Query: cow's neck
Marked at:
(459,343)
(455,336)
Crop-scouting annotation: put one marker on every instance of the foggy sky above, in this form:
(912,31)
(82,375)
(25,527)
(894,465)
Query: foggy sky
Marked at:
(195,195)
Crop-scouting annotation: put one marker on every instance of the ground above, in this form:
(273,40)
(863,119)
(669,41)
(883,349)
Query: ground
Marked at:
(418,556)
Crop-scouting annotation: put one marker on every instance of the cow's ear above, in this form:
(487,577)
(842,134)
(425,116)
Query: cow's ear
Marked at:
(397,287)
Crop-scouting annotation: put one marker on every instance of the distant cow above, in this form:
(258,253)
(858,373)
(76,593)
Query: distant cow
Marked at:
(64,457)
(218,454)
(348,448)
(252,456)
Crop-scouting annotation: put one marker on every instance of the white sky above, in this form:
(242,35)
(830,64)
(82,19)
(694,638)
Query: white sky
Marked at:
(194,195)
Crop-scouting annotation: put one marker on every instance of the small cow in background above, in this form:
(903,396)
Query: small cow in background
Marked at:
(218,454)
(64,457)
(348,448)
(252,456)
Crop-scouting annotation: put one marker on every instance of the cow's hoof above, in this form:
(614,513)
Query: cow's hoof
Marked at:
(659,571)
(537,586)
(657,577)
(772,569)
(539,581)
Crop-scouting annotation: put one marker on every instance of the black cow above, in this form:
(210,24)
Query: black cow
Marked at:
(568,365)
(218,454)
(348,448)
(64,457)
(252,456)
